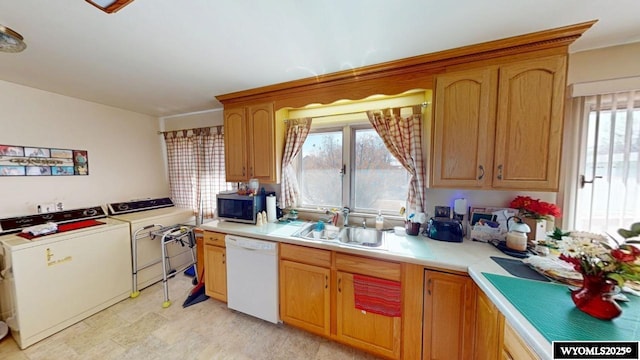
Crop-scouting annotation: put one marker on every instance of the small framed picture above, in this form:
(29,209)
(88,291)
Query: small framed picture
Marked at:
(443,211)
(479,217)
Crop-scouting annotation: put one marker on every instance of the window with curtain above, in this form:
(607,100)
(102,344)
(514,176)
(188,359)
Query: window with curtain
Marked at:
(196,168)
(377,181)
(608,195)
(350,164)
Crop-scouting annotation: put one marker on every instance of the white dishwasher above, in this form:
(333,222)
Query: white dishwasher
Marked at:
(252,277)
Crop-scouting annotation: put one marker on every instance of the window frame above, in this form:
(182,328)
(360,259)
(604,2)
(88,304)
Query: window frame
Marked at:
(348,129)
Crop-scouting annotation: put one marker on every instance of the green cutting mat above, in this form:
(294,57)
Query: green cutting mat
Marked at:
(549,308)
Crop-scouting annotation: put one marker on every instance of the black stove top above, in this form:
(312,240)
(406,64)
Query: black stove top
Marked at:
(139,205)
(16,224)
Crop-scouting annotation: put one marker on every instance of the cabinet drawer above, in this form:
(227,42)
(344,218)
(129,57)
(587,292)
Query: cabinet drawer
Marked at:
(214,238)
(370,267)
(306,255)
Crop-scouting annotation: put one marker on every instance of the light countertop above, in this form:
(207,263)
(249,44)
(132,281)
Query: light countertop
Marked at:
(468,256)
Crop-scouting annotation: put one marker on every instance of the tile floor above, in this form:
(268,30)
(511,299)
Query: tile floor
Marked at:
(141,329)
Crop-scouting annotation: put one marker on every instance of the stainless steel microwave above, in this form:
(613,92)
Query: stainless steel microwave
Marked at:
(239,208)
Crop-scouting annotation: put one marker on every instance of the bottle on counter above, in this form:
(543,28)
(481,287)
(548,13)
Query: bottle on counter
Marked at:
(379,221)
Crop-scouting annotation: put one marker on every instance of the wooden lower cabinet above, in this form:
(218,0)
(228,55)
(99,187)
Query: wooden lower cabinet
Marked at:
(449,316)
(489,329)
(514,347)
(215,266)
(494,337)
(317,295)
(304,296)
(375,333)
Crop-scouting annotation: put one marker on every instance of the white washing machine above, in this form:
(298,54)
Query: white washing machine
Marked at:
(52,281)
(141,215)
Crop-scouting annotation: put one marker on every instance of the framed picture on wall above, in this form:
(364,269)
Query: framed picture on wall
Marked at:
(40,161)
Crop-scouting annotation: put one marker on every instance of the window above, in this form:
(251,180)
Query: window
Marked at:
(350,166)
(609,191)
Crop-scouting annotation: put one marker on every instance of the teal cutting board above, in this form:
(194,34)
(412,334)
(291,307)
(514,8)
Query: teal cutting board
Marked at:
(549,308)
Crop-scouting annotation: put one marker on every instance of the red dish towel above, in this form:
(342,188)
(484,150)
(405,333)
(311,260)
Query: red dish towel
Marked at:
(65,227)
(378,296)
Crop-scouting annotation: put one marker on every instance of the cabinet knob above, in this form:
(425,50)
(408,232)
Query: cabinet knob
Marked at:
(339,284)
(326,281)
(500,172)
(244,171)
(481,168)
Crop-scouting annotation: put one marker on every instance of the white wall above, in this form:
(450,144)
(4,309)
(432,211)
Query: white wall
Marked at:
(608,63)
(124,150)
(193,120)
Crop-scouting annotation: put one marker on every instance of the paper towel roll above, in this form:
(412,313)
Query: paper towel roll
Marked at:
(271,208)
(460,206)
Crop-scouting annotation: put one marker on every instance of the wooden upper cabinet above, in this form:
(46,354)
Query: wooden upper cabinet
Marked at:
(529,124)
(463,128)
(249,138)
(500,127)
(262,144)
(235,144)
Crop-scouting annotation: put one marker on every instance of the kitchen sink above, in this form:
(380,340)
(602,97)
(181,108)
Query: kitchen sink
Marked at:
(367,237)
(351,236)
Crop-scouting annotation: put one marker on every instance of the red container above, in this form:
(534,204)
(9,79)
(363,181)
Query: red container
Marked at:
(412,228)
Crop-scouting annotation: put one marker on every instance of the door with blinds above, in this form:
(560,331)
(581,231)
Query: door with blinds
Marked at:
(608,196)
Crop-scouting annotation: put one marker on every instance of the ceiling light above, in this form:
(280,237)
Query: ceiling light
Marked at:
(109,6)
(10,41)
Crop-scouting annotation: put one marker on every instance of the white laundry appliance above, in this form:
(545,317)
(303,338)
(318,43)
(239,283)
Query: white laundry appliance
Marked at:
(143,217)
(50,282)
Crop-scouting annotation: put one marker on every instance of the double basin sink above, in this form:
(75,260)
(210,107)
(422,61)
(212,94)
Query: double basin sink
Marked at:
(351,236)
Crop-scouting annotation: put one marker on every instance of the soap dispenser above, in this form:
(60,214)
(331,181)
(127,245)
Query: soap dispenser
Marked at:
(379,221)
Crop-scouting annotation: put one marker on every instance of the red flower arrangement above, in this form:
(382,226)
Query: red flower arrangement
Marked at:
(534,208)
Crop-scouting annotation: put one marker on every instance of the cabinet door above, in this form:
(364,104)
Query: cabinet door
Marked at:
(514,347)
(304,296)
(463,128)
(372,332)
(489,329)
(215,278)
(235,145)
(449,308)
(262,144)
(529,124)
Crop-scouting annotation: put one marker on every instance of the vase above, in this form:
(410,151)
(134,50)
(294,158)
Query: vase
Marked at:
(594,298)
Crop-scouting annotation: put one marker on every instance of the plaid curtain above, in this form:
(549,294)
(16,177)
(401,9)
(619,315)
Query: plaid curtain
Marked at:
(403,138)
(296,133)
(196,168)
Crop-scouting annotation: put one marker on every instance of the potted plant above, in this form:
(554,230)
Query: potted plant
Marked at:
(535,213)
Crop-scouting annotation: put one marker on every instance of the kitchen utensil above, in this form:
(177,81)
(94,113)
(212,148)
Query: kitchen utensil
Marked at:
(517,234)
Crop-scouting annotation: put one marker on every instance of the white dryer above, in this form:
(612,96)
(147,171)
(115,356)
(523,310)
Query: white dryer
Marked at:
(142,215)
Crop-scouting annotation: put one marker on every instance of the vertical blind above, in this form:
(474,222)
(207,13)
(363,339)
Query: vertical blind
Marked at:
(609,190)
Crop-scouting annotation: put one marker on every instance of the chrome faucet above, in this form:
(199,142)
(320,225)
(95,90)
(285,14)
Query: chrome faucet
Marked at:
(364,223)
(345,214)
